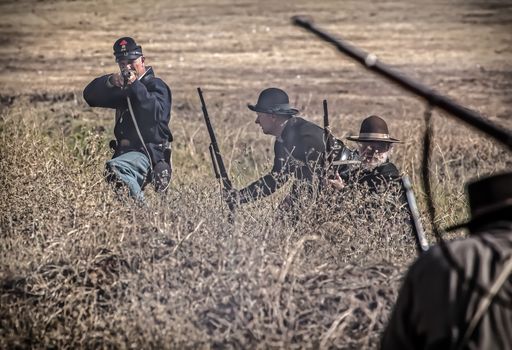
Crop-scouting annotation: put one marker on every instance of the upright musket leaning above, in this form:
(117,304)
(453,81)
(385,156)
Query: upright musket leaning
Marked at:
(217,162)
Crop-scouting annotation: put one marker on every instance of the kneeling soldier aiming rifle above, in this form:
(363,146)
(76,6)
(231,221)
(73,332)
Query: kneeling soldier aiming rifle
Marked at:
(143,111)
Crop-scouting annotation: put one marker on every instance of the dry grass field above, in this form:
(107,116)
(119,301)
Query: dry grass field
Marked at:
(81,269)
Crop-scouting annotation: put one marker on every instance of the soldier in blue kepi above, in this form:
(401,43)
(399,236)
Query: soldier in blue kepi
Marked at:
(143,110)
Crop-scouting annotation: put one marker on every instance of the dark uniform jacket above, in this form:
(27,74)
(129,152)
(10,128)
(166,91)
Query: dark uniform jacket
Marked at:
(437,302)
(375,178)
(378,191)
(151,102)
(298,153)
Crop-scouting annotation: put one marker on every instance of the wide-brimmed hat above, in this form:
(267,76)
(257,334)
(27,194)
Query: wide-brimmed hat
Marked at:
(373,128)
(126,48)
(490,199)
(273,101)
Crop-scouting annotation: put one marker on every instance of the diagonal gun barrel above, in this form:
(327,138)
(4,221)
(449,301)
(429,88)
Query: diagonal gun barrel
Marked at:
(371,62)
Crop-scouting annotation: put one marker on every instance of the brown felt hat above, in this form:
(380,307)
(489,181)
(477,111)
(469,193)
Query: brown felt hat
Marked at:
(490,199)
(373,128)
(273,101)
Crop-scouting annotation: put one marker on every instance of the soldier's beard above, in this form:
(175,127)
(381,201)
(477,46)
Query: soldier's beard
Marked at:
(374,160)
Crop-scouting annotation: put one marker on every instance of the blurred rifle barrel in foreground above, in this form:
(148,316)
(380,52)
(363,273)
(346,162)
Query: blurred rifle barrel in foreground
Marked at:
(370,61)
(217,162)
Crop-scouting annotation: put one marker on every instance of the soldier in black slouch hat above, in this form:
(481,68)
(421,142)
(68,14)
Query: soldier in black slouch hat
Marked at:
(143,110)
(298,148)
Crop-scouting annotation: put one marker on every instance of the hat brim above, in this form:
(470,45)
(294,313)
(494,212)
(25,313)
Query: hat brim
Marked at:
(288,112)
(129,56)
(458,226)
(373,139)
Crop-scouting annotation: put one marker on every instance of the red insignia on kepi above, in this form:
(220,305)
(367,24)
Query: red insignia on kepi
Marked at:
(123,42)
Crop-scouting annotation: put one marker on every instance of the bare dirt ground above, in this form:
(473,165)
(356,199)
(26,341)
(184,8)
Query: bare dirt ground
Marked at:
(235,48)
(81,269)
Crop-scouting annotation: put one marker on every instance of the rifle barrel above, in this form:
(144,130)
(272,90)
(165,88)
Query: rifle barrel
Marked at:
(371,62)
(214,162)
(327,130)
(214,146)
(327,139)
(218,163)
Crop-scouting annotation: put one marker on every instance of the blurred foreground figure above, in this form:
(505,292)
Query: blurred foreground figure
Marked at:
(374,150)
(298,148)
(143,111)
(462,300)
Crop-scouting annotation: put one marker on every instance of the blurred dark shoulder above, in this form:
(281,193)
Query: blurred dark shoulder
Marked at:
(302,139)
(297,127)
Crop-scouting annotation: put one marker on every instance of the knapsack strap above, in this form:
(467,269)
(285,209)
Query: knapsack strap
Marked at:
(486,301)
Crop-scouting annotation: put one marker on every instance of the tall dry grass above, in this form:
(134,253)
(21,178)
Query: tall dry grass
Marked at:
(80,268)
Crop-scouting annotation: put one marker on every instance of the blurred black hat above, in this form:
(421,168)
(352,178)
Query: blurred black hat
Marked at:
(490,199)
(273,101)
(373,128)
(126,48)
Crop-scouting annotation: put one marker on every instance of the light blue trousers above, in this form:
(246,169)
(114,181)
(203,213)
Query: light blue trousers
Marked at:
(131,168)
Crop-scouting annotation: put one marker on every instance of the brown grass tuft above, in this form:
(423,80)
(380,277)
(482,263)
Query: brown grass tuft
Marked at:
(81,269)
